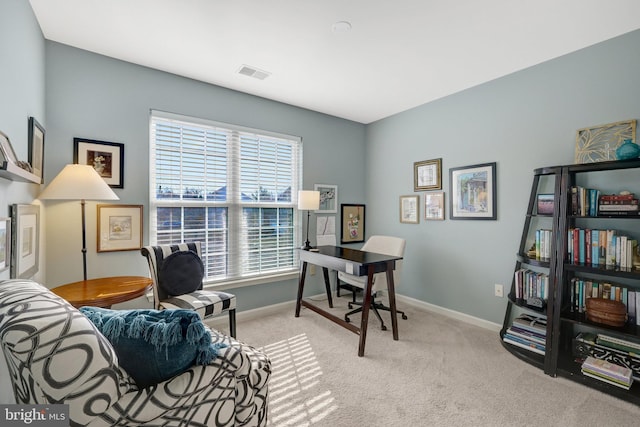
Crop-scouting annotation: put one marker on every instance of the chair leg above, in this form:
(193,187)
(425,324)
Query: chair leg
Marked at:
(232,323)
(359,309)
(381,306)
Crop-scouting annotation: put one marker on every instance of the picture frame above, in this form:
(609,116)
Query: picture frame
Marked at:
(473,192)
(5,243)
(353,223)
(107,158)
(6,149)
(328,198)
(36,148)
(427,175)
(434,206)
(599,143)
(25,240)
(119,227)
(410,209)
(545,204)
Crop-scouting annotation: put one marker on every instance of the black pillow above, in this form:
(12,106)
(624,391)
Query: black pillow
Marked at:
(181,273)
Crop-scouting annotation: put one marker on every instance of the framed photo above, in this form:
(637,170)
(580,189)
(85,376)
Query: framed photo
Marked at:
(352,217)
(107,158)
(5,243)
(25,240)
(119,227)
(473,192)
(599,143)
(6,149)
(409,209)
(545,204)
(36,148)
(427,175)
(434,205)
(328,198)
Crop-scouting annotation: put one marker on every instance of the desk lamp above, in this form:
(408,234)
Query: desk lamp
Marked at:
(308,200)
(79,182)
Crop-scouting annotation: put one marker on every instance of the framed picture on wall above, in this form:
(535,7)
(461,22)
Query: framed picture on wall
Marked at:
(107,158)
(119,227)
(473,192)
(352,220)
(36,148)
(434,205)
(25,240)
(328,198)
(427,175)
(5,243)
(409,209)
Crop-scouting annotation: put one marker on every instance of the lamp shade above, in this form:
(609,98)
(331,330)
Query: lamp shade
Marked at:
(78,182)
(308,200)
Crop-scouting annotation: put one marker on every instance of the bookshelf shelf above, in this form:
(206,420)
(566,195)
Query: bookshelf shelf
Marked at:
(15,173)
(562,322)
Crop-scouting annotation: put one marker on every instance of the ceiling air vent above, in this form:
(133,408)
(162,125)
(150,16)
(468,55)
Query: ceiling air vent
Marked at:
(247,70)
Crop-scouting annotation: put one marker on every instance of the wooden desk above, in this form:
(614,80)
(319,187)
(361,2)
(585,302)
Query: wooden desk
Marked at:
(104,292)
(358,263)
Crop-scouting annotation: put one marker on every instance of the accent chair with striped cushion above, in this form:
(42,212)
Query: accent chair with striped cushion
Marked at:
(177,273)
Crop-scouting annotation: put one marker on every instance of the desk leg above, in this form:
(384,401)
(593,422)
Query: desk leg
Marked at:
(366,304)
(303,273)
(392,300)
(327,285)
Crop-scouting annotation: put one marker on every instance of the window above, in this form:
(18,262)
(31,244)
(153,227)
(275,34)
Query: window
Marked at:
(231,188)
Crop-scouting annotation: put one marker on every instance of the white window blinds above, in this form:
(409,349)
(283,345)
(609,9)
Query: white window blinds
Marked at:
(231,188)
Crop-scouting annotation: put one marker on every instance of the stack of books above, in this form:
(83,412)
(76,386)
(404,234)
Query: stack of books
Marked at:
(618,204)
(610,373)
(529,332)
(618,343)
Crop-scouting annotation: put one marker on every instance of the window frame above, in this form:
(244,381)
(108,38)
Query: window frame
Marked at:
(233,202)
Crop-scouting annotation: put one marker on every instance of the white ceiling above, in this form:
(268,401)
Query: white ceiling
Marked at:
(399,53)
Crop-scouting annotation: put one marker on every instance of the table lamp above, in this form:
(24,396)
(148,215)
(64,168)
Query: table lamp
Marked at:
(79,182)
(308,200)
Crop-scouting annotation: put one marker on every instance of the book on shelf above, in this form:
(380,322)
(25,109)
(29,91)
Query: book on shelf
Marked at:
(617,197)
(527,335)
(619,202)
(622,208)
(611,373)
(618,343)
(522,343)
(607,380)
(537,324)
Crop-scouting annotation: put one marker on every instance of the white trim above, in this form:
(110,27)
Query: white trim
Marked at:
(250,281)
(450,313)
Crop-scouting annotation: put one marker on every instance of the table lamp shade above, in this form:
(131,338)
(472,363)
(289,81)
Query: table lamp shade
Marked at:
(78,182)
(308,200)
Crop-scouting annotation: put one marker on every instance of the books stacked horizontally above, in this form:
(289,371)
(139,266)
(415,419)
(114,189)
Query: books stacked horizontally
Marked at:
(618,344)
(610,373)
(618,204)
(529,332)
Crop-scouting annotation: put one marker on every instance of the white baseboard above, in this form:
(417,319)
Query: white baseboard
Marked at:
(222,322)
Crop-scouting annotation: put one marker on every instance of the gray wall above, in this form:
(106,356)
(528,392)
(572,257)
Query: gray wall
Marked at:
(96,97)
(22,92)
(523,121)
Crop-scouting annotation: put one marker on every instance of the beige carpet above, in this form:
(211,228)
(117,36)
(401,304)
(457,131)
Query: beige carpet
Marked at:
(442,372)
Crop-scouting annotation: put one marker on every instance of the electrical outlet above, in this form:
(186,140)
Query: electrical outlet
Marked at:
(498,290)
(312,270)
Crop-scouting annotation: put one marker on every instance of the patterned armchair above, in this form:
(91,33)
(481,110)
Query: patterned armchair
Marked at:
(54,354)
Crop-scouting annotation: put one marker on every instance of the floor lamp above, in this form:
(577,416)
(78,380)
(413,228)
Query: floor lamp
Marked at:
(308,200)
(79,182)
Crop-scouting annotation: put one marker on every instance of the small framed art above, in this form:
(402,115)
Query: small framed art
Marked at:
(36,148)
(25,240)
(352,220)
(434,205)
(107,158)
(328,198)
(409,209)
(473,192)
(5,243)
(427,175)
(545,204)
(119,227)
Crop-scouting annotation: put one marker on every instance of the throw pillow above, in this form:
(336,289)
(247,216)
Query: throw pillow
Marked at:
(181,273)
(155,345)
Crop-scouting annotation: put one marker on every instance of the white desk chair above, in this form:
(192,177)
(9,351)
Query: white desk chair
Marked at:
(386,245)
